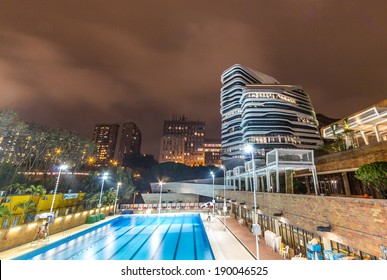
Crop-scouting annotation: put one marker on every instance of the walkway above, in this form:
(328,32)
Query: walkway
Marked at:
(248,240)
(237,242)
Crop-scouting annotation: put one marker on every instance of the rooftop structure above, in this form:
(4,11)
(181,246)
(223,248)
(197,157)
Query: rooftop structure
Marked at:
(256,109)
(367,125)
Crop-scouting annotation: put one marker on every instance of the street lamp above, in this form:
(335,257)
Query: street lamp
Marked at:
(62,167)
(104,177)
(213,192)
(255,226)
(224,195)
(115,202)
(161,183)
(134,197)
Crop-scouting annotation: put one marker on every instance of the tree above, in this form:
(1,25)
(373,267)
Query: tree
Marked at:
(91,200)
(349,135)
(14,188)
(9,175)
(12,129)
(139,161)
(4,212)
(374,175)
(110,196)
(36,190)
(17,188)
(27,207)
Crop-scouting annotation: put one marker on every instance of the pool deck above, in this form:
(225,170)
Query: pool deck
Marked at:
(235,243)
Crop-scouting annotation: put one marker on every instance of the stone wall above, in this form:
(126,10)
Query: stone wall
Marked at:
(357,222)
(353,158)
(19,235)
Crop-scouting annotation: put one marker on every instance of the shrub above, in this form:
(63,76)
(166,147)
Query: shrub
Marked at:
(374,175)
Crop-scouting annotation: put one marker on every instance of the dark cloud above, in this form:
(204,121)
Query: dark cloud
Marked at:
(72,64)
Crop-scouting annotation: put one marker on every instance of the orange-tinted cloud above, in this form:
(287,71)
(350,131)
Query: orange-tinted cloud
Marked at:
(72,64)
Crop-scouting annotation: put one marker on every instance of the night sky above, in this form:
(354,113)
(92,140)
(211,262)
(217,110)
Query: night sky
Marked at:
(72,64)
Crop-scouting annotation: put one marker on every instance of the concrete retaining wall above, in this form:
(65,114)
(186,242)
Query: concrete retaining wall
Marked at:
(19,235)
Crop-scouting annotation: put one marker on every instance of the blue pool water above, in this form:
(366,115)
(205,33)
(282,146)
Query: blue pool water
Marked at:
(133,237)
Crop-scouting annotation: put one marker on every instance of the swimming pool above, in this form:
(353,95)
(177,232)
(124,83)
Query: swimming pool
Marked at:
(133,237)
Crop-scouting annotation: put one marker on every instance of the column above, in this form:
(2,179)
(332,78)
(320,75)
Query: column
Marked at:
(286,181)
(377,134)
(347,188)
(262,184)
(327,243)
(365,138)
(307,184)
(315,181)
(268,180)
(277,181)
(276,227)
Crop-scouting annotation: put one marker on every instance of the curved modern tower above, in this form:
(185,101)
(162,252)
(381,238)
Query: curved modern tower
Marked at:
(256,109)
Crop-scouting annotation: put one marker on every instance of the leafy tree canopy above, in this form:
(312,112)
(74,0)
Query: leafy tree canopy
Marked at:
(374,175)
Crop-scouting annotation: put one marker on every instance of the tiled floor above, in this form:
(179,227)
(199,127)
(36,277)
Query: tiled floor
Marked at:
(238,241)
(235,243)
(248,240)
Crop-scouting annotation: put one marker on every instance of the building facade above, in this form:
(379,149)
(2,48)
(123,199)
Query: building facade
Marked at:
(172,149)
(105,138)
(130,142)
(181,129)
(257,109)
(211,152)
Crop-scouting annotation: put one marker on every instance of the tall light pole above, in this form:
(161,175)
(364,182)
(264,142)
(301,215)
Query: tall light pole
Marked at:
(115,201)
(161,183)
(134,197)
(213,192)
(224,195)
(62,167)
(255,226)
(104,177)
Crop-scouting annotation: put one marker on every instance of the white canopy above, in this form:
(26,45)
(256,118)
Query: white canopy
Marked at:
(46,215)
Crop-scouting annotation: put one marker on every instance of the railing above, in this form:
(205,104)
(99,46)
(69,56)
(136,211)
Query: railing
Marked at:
(181,206)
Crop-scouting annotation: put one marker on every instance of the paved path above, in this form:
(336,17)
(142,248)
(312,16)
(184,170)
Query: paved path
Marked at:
(248,240)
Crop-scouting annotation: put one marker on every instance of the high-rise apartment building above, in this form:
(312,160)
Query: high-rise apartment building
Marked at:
(172,149)
(181,129)
(105,138)
(211,150)
(258,110)
(130,142)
